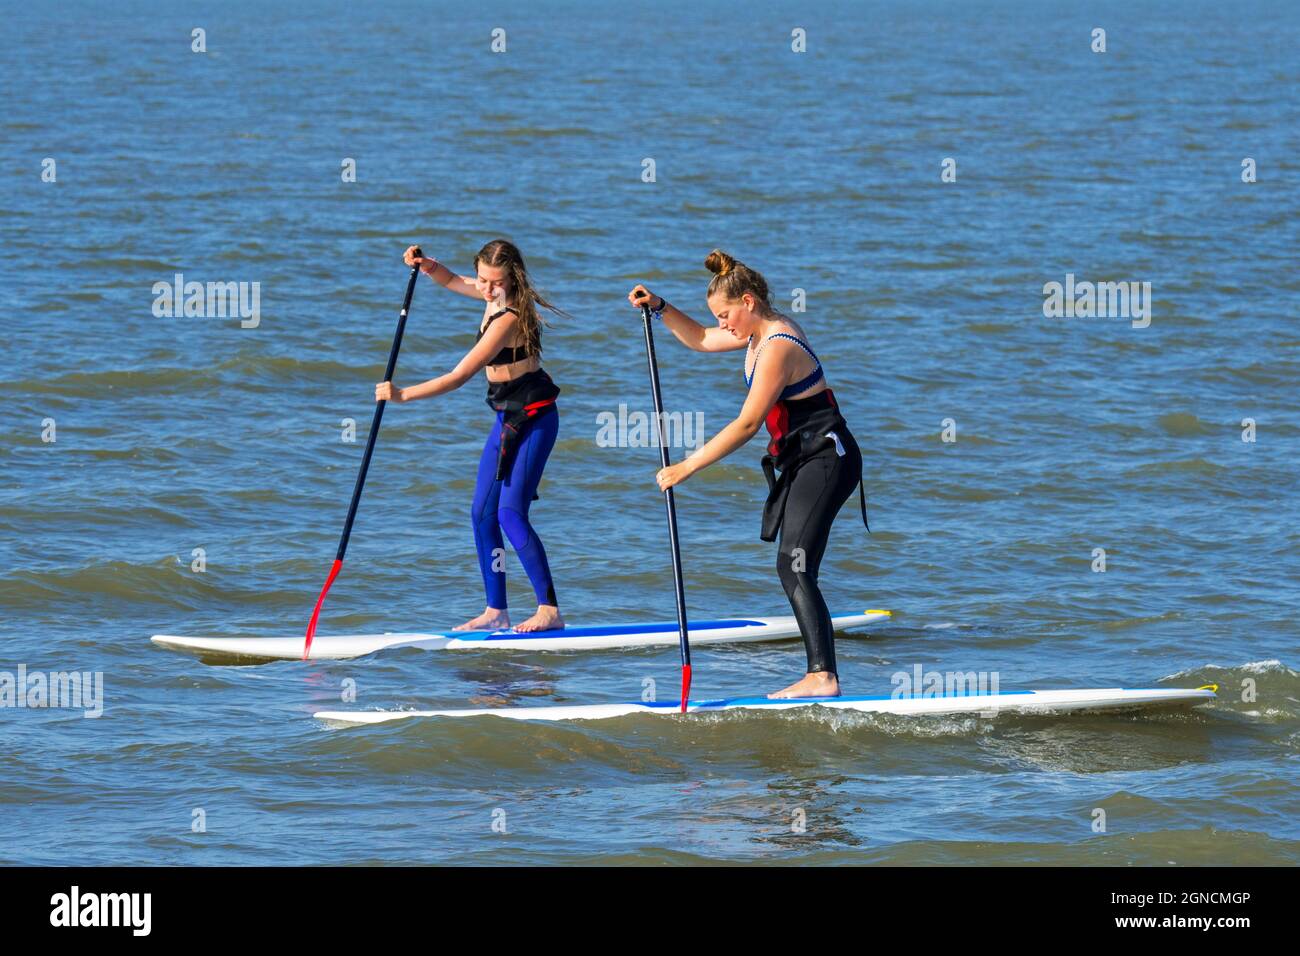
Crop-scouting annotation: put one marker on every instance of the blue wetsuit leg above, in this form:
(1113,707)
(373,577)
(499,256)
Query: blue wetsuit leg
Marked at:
(516,494)
(483,514)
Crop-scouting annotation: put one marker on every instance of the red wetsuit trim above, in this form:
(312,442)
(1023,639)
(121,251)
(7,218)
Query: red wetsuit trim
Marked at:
(778,419)
(531,409)
(778,423)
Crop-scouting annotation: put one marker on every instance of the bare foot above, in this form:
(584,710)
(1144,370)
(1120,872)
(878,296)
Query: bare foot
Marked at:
(492,619)
(813,685)
(547,618)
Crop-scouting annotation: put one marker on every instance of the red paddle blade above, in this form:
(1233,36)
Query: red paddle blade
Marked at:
(686,685)
(311,625)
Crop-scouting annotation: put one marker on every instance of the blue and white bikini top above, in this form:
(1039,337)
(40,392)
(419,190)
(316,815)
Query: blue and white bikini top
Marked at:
(805,383)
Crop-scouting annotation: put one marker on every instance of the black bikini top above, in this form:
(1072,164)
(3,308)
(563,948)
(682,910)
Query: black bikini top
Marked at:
(505,356)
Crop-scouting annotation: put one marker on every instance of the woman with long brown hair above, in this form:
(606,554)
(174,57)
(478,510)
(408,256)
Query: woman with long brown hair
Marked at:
(811,446)
(509,347)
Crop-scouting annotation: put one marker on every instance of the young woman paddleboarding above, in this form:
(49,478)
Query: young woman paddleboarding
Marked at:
(509,347)
(811,446)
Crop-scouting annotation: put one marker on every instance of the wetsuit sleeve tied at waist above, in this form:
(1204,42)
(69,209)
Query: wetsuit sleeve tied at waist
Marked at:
(520,401)
(794,454)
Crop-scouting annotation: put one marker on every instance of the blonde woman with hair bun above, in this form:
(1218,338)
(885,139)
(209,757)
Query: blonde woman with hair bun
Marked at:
(812,463)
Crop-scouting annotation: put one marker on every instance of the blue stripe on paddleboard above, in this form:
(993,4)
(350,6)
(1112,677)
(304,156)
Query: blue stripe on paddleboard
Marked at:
(751,701)
(597,630)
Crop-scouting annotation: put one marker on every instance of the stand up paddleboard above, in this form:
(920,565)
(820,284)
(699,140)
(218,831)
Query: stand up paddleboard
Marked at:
(1016,701)
(595,637)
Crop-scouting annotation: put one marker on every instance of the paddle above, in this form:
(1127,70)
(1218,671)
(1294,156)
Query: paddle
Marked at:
(365,461)
(672,507)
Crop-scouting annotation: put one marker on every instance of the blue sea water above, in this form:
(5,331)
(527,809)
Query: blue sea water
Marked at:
(1171,445)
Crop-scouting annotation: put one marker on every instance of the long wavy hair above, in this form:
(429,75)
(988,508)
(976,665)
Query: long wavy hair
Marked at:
(505,254)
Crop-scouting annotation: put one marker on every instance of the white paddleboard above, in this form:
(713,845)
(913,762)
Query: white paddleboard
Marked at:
(1020,701)
(593,637)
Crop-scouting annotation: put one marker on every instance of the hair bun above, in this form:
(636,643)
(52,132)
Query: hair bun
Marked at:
(719,263)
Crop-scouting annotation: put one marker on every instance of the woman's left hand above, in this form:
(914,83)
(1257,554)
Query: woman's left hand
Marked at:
(673,475)
(388,392)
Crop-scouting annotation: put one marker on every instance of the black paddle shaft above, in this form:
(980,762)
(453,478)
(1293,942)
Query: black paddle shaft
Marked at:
(379,413)
(668,493)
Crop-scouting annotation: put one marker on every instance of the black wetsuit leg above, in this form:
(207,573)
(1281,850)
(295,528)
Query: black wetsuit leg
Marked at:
(817,491)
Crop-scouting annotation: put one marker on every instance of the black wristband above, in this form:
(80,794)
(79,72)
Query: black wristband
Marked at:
(663,304)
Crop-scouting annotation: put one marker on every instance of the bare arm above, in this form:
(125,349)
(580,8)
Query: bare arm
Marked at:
(770,375)
(696,336)
(440,274)
(494,339)
(689,332)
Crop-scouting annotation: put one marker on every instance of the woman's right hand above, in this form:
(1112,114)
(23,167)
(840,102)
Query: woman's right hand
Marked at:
(640,296)
(413,257)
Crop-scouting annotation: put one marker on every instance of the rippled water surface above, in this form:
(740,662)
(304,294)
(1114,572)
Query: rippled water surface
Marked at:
(924,299)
